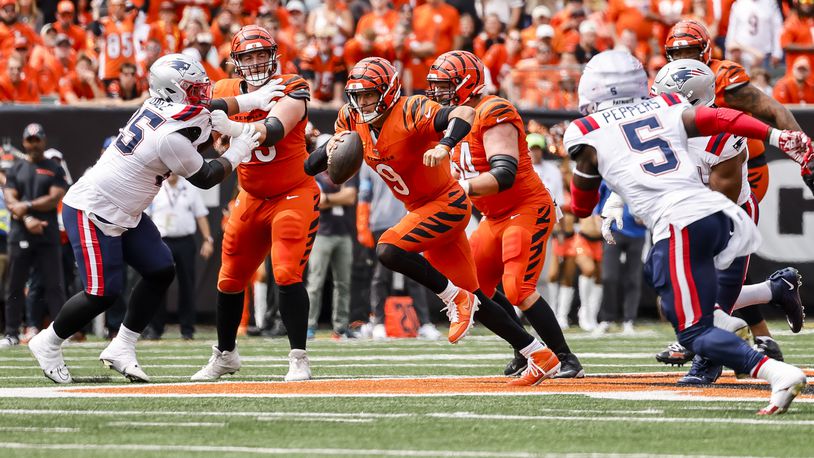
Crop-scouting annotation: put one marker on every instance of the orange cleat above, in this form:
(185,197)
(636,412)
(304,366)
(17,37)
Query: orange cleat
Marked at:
(461,313)
(543,364)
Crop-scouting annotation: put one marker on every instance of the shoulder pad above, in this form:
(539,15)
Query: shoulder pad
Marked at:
(296,87)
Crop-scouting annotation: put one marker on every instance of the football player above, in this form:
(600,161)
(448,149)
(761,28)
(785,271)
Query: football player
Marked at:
(638,145)
(722,162)
(689,39)
(395,130)
(103,211)
(493,166)
(276,208)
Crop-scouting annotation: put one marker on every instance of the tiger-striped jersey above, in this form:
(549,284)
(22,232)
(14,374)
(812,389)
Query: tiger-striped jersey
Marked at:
(728,77)
(272,171)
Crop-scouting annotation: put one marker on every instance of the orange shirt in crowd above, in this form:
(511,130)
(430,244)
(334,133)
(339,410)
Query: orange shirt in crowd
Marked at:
(788,91)
(796,30)
(356,50)
(71,83)
(723,21)
(118,46)
(214,73)
(435,24)
(25,91)
(625,15)
(48,69)
(9,33)
(169,35)
(76,33)
(382,25)
(324,68)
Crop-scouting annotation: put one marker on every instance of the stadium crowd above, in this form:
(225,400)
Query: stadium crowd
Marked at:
(97,52)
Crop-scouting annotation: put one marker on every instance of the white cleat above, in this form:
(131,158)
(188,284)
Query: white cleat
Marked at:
(220,363)
(428,331)
(50,359)
(379,332)
(299,368)
(120,358)
(787,382)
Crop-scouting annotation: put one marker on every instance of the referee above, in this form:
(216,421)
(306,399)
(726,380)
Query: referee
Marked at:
(177,210)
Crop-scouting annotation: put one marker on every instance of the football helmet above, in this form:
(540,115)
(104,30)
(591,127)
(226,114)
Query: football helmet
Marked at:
(250,39)
(179,78)
(463,71)
(372,74)
(688,33)
(689,77)
(611,78)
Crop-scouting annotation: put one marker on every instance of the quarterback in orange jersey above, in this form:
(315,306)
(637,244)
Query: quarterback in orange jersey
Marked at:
(689,39)
(494,168)
(276,208)
(395,131)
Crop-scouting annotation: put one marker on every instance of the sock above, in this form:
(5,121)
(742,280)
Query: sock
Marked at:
(594,301)
(503,301)
(51,336)
(227,319)
(78,311)
(127,337)
(294,312)
(759,293)
(498,321)
(564,302)
(723,320)
(261,289)
(553,294)
(585,287)
(413,265)
(543,321)
(449,293)
(147,296)
(531,348)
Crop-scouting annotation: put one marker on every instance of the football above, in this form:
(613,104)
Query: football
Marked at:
(346,158)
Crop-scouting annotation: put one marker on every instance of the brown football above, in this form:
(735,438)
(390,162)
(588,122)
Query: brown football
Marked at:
(346,159)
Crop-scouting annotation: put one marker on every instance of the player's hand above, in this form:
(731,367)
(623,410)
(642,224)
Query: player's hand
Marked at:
(795,144)
(18,209)
(366,238)
(34,225)
(262,99)
(243,145)
(207,248)
(613,211)
(434,157)
(221,123)
(331,146)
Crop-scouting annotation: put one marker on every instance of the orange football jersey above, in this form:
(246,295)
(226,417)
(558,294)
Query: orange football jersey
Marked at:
(469,157)
(272,171)
(728,76)
(396,153)
(119,46)
(324,69)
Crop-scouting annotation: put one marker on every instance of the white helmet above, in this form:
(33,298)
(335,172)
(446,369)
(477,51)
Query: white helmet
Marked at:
(611,78)
(689,77)
(179,78)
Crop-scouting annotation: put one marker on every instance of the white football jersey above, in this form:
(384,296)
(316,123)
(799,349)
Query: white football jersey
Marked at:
(129,174)
(643,156)
(711,151)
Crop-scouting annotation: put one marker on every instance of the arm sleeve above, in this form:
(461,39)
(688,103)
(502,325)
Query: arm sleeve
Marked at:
(179,155)
(712,121)
(317,161)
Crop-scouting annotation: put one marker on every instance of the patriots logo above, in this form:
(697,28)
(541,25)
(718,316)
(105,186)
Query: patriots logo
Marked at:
(179,65)
(682,76)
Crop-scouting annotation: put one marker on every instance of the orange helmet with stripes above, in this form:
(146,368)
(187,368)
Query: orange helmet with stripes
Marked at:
(254,53)
(455,77)
(686,34)
(376,76)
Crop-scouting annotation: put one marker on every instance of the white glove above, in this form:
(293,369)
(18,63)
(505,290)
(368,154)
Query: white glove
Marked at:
(794,143)
(261,99)
(221,123)
(613,211)
(241,146)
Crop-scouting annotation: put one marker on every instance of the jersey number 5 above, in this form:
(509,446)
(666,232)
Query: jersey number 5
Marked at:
(129,138)
(640,145)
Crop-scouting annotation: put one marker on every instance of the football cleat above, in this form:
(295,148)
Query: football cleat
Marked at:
(9,341)
(787,382)
(299,367)
(516,366)
(428,331)
(675,354)
(220,363)
(768,347)
(785,285)
(543,364)
(50,359)
(570,367)
(702,372)
(122,359)
(461,313)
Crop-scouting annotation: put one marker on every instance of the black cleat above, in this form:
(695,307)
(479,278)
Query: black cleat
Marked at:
(702,372)
(785,285)
(516,365)
(675,354)
(570,367)
(768,347)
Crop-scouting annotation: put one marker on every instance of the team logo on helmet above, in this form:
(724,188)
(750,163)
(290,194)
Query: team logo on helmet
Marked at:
(179,65)
(685,74)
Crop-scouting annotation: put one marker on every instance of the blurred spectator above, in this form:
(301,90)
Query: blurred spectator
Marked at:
(65,24)
(703,11)
(538,83)
(178,212)
(796,38)
(467,33)
(82,84)
(118,47)
(129,86)
(653,66)
(508,12)
(323,67)
(547,170)
(382,19)
(797,87)
(11,28)
(297,19)
(165,29)
(364,45)
(200,49)
(436,27)
(586,49)
(285,49)
(756,25)
(239,15)
(491,35)
(333,249)
(32,192)
(51,61)
(540,15)
(152,51)
(760,79)
(28,13)
(223,28)
(634,16)
(15,85)
(333,14)
(565,25)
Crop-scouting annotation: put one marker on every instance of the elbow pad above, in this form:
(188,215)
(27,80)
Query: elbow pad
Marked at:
(456,131)
(210,174)
(317,161)
(274,132)
(583,201)
(504,169)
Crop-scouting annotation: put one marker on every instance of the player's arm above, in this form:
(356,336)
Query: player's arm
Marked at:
(261,99)
(751,99)
(727,177)
(317,161)
(500,143)
(456,123)
(183,159)
(586,180)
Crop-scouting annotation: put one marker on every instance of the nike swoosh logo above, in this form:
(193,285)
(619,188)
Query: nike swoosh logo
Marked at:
(791,287)
(501,119)
(514,216)
(732,80)
(429,113)
(62,372)
(290,197)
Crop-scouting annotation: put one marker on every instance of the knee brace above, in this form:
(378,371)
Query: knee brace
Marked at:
(516,243)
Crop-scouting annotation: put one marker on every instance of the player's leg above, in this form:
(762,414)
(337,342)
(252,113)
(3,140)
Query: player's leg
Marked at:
(100,265)
(568,270)
(584,260)
(293,230)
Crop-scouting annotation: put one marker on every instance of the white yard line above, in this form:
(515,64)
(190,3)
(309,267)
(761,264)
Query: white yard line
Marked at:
(742,421)
(159,424)
(36,429)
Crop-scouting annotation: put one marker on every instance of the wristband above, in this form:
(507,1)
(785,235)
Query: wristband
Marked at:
(28,204)
(774,137)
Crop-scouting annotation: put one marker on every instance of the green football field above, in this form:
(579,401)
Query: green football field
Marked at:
(396,398)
